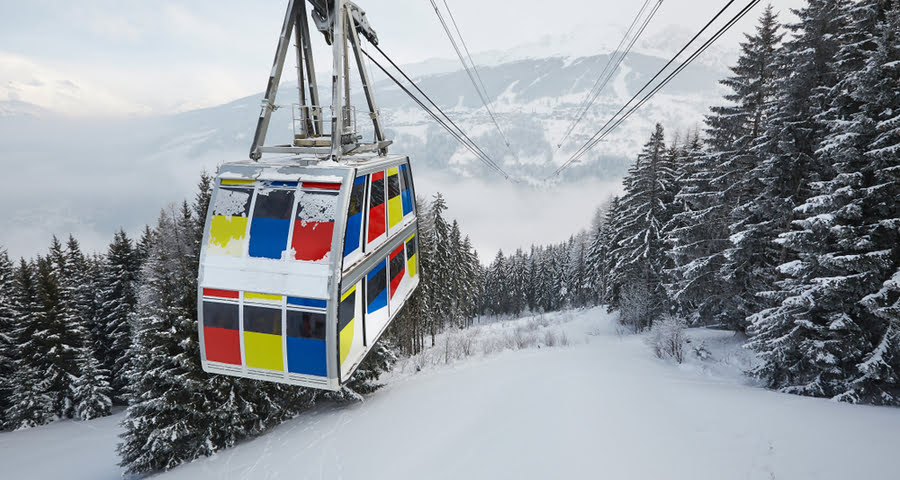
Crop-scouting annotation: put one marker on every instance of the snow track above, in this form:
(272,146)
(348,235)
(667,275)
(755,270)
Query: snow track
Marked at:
(602,407)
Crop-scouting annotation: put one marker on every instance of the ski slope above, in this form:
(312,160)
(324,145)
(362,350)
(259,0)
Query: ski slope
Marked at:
(600,407)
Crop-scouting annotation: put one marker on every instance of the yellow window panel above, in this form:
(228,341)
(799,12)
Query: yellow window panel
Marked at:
(263,351)
(226,235)
(349,292)
(346,340)
(411,265)
(262,296)
(237,182)
(395,214)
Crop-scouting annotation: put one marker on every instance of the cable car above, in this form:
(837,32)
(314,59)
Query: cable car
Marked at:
(303,267)
(307,257)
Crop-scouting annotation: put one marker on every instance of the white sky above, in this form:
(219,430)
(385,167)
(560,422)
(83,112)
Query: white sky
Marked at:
(115,57)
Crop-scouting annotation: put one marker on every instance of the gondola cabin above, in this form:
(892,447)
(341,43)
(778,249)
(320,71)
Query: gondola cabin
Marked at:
(303,267)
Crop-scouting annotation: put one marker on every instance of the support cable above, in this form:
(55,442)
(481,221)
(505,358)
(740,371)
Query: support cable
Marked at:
(457,133)
(615,61)
(615,120)
(459,54)
(425,95)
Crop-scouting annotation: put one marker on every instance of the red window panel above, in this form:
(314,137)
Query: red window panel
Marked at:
(398,268)
(322,185)
(222,345)
(377,226)
(213,292)
(312,240)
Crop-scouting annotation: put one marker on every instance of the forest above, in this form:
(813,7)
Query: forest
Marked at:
(778,220)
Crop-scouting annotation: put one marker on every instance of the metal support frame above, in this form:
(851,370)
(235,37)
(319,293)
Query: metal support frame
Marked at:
(268,104)
(341,26)
(337,85)
(306,46)
(364,76)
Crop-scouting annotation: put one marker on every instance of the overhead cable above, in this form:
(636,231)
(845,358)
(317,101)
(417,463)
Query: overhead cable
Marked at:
(616,120)
(472,77)
(612,65)
(446,122)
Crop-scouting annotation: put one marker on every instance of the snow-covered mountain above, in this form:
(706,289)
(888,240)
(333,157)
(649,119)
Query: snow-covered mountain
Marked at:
(119,172)
(535,98)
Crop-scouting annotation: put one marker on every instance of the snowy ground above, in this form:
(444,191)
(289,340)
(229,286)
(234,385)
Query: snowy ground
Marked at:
(595,405)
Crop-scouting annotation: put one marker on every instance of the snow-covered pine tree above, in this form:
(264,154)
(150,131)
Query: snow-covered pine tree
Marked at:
(640,252)
(532,289)
(91,390)
(823,339)
(697,237)
(561,280)
(455,286)
(495,282)
(732,130)
(573,273)
(598,260)
(117,302)
(31,402)
(471,273)
(168,421)
(788,166)
(441,298)
(517,276)
(9,315)
(61,331)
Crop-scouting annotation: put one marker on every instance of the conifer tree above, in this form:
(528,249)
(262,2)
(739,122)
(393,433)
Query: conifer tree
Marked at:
(60,329)
(91,389)
(788,167)
(9,316)
(822,339)
(639,252)
(117,302)
(722,190)
(31,400)
(167,422)
(697,238)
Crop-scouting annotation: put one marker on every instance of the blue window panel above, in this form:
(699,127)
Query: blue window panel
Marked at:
(406,195)
(376,287)
(306,356)
(360,180)
(307,302)
(407,202)
(282,184)
(351,239)
(268,237)
(379,302)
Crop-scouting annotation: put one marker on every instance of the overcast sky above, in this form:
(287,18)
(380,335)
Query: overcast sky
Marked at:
(125,57)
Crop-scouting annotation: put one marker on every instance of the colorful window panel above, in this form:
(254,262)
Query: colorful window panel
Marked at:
(221,337)
(412,249)
(346,314)
(395,203)
(355,216)
(271,222)
(406,190)
(306,343)
(377,212)
(262,337)
(398,268)
(376,287)
(314,226)
(228,226)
